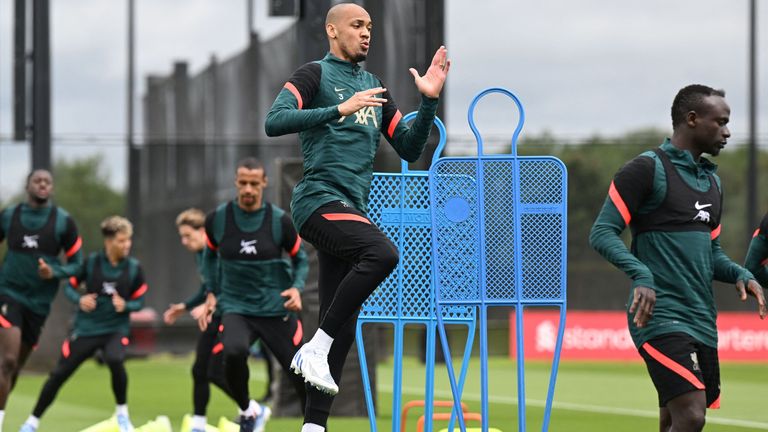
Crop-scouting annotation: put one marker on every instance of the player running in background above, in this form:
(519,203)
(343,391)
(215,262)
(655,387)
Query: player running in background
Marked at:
(757,255)
(671,199)
(207,367)
(339,111)
(258,288)
(36,232)
(114,287)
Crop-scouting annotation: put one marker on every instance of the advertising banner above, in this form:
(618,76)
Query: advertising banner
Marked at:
(603,335)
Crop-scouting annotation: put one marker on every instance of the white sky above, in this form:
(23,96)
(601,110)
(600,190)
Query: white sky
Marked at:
(592,66)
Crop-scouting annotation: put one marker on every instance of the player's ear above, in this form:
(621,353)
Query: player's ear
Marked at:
(330,30)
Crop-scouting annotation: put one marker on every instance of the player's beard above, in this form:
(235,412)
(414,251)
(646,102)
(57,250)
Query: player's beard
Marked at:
(359,57)
(39,200)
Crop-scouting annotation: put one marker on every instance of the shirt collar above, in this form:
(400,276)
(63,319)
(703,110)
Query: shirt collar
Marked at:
(248,213)
(354,67)
(685,158)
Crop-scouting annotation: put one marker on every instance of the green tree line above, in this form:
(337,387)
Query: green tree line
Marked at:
(593,162)
(81,186)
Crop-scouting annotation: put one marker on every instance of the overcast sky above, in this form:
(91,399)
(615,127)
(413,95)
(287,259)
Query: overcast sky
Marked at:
(580,67)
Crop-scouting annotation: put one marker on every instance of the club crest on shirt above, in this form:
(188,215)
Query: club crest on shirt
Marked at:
(109,288)
(30,241)
(248,247)
(363,116)
(702,214)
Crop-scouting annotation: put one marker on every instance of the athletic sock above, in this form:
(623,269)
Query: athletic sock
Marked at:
(199,422)
(255,407)
(321,340)
(33,421)
(311,427)
(248,412)
(122,410)
(2,417)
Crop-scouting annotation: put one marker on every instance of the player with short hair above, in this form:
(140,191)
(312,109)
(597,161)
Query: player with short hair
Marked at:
(114,287)
(671,199)
(258,289)
(340,111)
(208,366)
(36,232)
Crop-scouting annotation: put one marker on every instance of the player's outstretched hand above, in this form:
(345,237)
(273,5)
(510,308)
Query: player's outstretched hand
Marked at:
(431,84)
(362,99)
(643,301)
(174,311)
(197,312)
(755,290)
(293,299)
(209,307)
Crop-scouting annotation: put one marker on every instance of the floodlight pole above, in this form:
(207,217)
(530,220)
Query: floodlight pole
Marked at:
(249,19)
(134,173)
(41,85)
(20,71)
(752,152)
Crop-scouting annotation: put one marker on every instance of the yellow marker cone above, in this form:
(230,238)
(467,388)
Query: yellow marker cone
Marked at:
(160,424)
(228,426)
(186,425)
(109,425)
(455,428)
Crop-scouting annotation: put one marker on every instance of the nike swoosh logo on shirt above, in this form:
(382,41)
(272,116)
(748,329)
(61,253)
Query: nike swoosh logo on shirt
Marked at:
(701,206)
(338,89)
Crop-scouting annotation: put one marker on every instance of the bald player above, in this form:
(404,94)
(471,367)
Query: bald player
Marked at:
(340,111)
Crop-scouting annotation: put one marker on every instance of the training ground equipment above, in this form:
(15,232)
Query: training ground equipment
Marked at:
(159,424)
(420,403)
(186,425)
(225,425)
(109,425)
(499,238)
(399,206)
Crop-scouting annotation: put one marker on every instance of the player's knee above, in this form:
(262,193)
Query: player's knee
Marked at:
(199,371)
(386,256)
(233,352)
(690,420)
(114,360)
(9,364)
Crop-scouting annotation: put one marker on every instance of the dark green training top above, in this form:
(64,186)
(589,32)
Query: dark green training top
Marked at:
(125,279)
(338,151)
(672,204)
(32,233)
(247,261)
(757,255)
(199,297)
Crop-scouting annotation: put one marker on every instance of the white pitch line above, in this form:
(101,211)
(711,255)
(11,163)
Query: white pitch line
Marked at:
(583,407)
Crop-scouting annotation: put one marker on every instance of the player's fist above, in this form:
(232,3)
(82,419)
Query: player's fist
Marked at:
(118,302)
(293,299)
(88,302)
(43,269)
